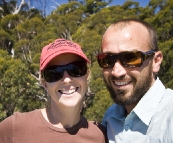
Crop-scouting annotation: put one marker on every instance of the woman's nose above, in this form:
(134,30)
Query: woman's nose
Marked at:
(66,78)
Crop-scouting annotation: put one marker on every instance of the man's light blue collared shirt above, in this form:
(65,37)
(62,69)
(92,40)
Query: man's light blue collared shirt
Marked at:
(151,121)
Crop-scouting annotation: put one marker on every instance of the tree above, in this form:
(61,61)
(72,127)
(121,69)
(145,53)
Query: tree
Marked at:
(11,7)
(98,106)
(28,7)
(166,68)
(4,36)
(18,90)
(93,6)
(163,21)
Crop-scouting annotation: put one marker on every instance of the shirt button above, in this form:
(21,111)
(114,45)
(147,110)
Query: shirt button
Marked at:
(127,128)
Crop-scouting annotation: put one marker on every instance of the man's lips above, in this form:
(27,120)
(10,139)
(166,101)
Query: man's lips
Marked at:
(121,83)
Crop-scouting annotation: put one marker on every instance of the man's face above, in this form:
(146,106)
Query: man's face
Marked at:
(127,85)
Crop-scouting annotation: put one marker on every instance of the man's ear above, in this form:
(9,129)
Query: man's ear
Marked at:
(157,60)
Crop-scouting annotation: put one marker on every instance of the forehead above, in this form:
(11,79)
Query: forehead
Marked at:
(64,59)
(131,37)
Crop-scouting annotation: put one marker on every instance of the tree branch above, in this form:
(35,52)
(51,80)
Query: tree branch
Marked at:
(17,9)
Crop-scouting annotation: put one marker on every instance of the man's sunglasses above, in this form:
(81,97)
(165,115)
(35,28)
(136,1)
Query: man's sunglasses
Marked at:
(127,59)
(74,69)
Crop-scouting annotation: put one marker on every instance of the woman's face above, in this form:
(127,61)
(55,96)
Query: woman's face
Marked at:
(68,91)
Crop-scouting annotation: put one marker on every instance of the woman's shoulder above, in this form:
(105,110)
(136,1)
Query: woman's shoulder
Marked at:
(19,117)
(26,114)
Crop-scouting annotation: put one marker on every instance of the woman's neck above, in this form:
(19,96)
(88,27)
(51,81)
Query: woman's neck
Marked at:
(65,118)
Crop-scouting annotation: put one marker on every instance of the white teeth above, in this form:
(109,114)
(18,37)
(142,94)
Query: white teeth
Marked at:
(121,83)
(67,91)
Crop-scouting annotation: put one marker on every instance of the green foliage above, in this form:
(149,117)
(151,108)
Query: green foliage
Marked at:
(4,35)
(166,72)
(96,83)
(18,90)
(99,105)
(94,6)
(89,40)
(11,21)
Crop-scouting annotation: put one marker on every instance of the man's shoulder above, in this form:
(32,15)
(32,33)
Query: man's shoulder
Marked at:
(169,91)
(110,112)
(161,125)
(168,96)
(165,106)
(169,99)
(111,109)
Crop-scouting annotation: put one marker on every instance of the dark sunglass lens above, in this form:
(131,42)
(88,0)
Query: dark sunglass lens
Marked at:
(74,69)
(101,60)
(105,60)
(77,69)
(131,58)
(110,59)
(52,74)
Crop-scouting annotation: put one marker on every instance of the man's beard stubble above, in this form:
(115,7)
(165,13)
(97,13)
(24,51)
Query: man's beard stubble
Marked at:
(140,88)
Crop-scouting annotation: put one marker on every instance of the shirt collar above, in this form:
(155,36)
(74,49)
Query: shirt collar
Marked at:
(119,112)
(149,102)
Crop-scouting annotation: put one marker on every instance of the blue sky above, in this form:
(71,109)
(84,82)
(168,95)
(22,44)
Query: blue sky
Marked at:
(115,2)
(142,3)
(52,4)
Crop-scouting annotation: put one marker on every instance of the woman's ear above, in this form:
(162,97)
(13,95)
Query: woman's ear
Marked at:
(43,82)
(157,60)
(88,74)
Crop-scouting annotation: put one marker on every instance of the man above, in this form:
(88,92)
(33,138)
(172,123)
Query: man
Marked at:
(130,59)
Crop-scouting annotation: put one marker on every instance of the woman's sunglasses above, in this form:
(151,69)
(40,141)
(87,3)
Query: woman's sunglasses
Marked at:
(74,69)
(127,59)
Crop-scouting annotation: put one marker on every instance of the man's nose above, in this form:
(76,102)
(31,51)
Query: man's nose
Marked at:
(118,70)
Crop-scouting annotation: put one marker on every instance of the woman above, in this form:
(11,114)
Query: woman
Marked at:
(64,71)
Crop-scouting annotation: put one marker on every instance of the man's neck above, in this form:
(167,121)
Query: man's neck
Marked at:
(129,108)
